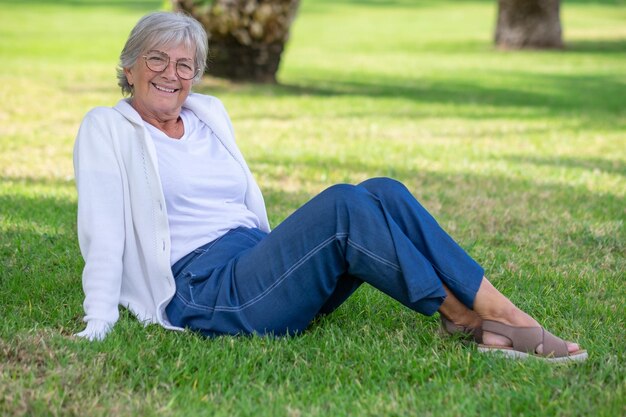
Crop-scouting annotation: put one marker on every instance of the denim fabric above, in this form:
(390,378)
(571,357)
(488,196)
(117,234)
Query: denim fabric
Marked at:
(249,281)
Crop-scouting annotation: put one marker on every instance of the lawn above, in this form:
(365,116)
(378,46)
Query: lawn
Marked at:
(520,155)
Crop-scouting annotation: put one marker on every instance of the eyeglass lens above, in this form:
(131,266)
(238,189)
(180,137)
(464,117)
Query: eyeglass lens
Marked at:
(158,62)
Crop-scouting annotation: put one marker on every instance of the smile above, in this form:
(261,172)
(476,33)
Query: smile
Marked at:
(164,89)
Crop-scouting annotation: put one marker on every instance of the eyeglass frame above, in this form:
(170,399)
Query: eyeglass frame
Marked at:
(169,60)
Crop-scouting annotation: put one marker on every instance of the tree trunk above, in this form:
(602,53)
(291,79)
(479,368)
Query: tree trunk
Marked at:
(246,37)
(528,24)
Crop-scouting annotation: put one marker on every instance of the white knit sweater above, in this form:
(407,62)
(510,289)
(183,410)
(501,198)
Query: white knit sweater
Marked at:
(123,229)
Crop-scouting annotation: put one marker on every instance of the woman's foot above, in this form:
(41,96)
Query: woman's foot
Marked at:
(491,305)
(494,339)
(529,342)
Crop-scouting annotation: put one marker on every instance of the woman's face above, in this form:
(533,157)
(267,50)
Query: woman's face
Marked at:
(159,95)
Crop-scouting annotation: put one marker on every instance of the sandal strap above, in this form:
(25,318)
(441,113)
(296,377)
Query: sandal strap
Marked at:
(527,339)
(554,346)
(451,328)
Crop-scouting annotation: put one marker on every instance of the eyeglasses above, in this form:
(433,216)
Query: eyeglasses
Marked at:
(158,61)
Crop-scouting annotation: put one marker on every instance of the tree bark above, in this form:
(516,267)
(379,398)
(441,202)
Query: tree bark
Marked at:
(246,37)
(528,24)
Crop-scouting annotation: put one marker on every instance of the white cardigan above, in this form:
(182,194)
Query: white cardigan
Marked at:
(123,229)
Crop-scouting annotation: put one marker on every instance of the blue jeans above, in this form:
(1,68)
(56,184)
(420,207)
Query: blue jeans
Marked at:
(249,281)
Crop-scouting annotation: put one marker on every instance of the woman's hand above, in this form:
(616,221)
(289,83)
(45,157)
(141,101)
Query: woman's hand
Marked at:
(96,330)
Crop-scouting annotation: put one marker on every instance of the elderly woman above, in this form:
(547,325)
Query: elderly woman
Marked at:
(173,226)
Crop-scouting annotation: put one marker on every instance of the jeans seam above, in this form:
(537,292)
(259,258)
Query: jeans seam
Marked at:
(270,288)
(246,235)
(447,276)
(260,296)
(373,255)
(305,258)
(283,277)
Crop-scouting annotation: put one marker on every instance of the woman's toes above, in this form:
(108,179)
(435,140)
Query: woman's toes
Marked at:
(572,347)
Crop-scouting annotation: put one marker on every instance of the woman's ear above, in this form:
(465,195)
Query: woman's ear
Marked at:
(128,72)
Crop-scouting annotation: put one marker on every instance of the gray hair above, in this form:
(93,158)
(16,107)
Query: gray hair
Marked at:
(158,29)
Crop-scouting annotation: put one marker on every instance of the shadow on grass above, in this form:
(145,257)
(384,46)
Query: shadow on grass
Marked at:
(609,166)
(427,3)
(55,212)
(595,97)
(616,46)
(40,256)
(454,187)
(596,2)
(382,3)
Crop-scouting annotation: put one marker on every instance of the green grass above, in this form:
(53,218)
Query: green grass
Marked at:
(520,155)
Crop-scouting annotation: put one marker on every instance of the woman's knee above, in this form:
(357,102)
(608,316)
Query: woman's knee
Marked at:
(346,196)
(341,192)
(382,186)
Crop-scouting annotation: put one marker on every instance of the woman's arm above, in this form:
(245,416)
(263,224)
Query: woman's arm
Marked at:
(100,222)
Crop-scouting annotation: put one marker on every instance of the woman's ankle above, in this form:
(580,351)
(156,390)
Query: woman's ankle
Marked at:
(491,304)
(512,316)
(467,318)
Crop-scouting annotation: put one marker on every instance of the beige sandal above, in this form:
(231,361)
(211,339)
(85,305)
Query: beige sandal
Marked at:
(525,341)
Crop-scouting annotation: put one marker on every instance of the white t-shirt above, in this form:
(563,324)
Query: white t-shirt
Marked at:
(204,186)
